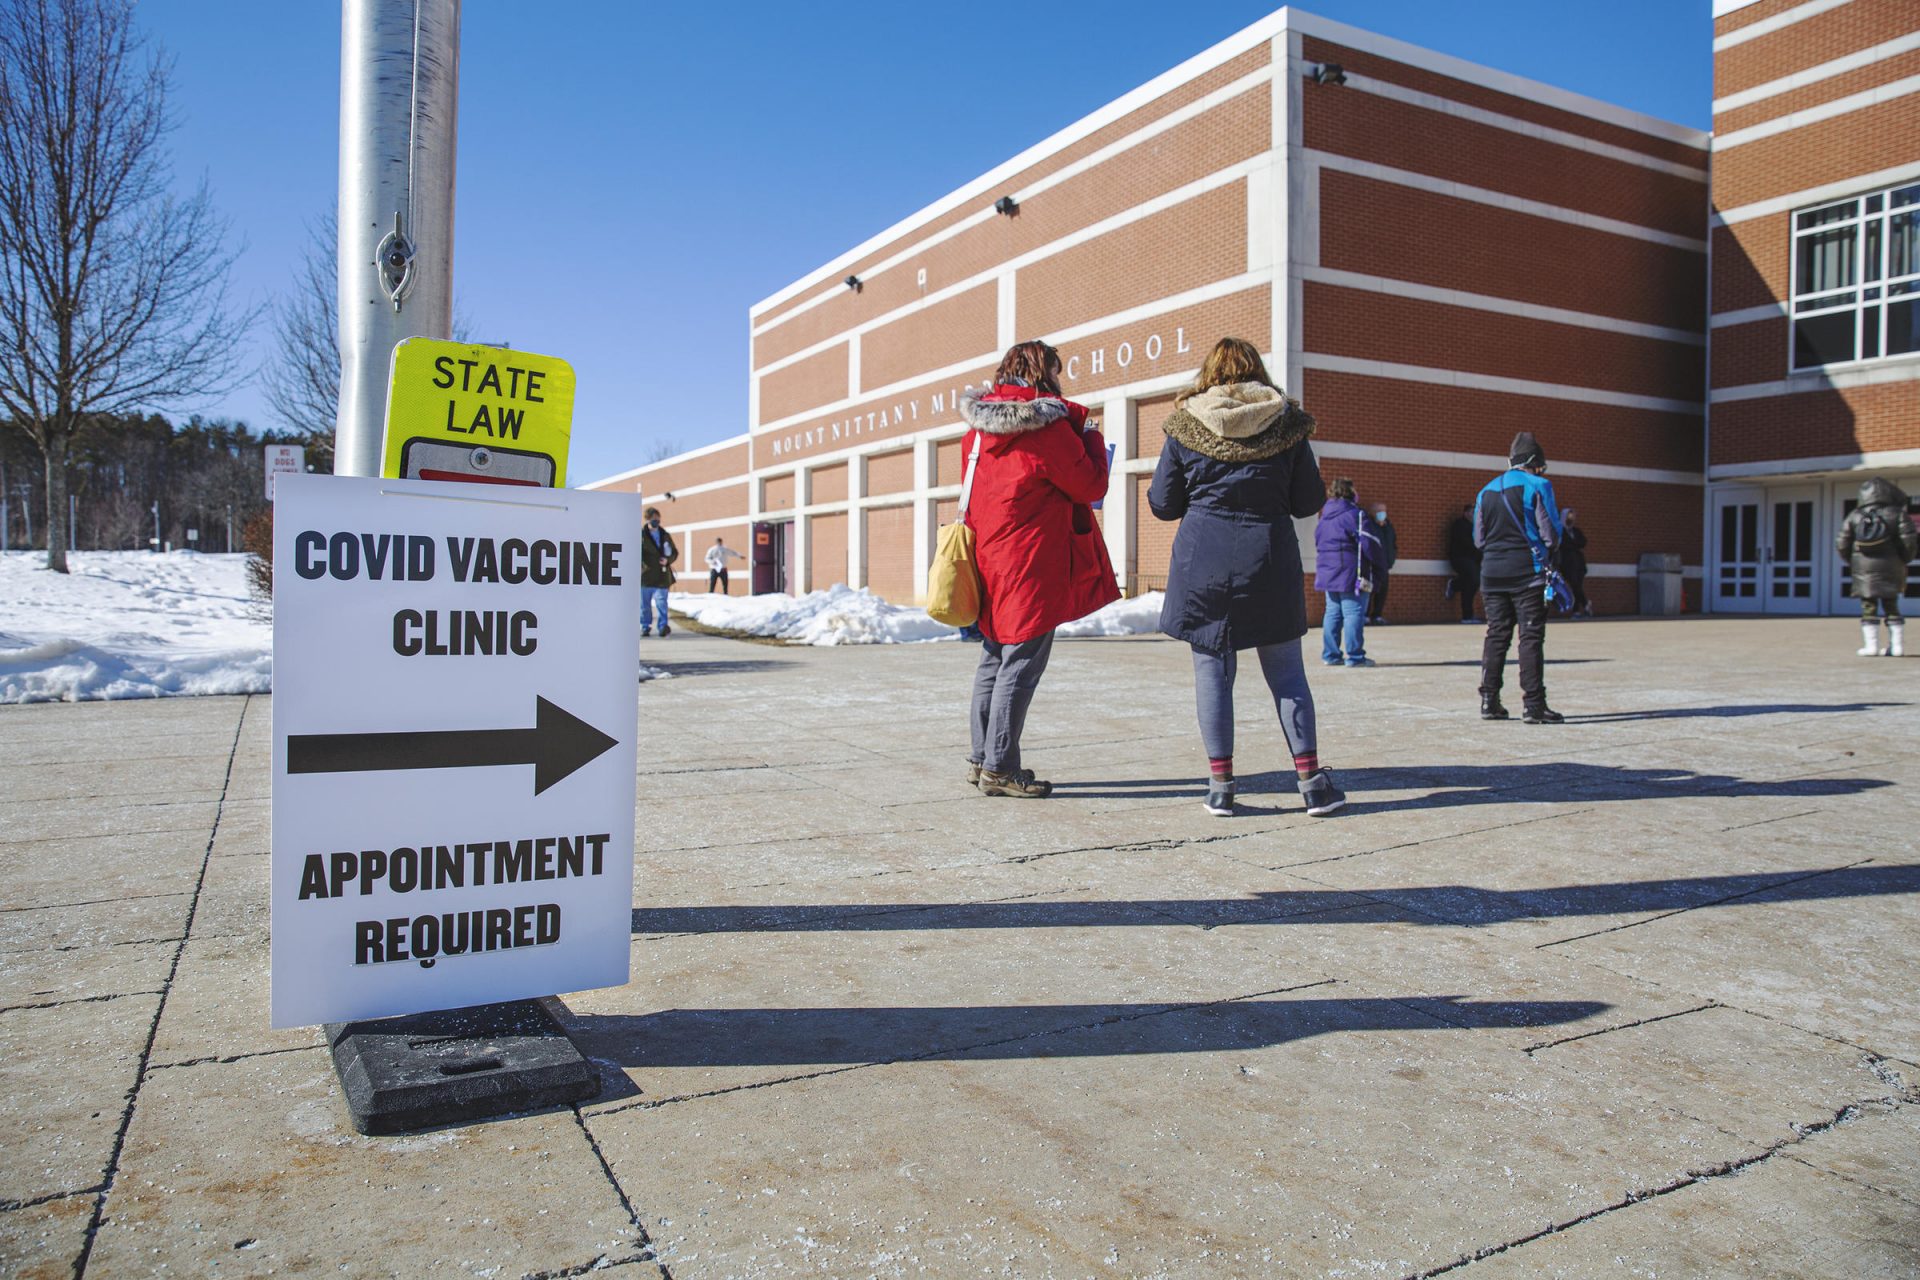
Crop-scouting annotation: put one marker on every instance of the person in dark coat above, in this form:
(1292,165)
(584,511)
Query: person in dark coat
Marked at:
(1389,552)
(657,554)
(1877,539)
(1236,471)
(1347,558)
(1517,526)
(1464,559)
(1038,464)
(1573,564)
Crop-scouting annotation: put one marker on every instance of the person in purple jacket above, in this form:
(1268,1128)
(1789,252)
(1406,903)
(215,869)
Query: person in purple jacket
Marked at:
(1348,554)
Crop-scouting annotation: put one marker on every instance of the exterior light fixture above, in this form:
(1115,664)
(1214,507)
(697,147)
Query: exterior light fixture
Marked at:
(853,283)
(1006,206)
(1328,73)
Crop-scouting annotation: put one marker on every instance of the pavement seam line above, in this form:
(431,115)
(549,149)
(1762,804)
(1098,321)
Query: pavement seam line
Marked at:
(96,902)
(1414,844)
(1623,1026)
(647,1251)
(8,1206)
(217,1060)
(1725,1169)
(1153,1011)
(1717,902)
(57,1004)
(600,1263)
(160,1008)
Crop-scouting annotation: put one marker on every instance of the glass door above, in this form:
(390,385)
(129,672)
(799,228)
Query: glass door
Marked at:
(1793,551)
(1738,553)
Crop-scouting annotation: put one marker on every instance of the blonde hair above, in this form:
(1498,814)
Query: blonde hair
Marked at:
(1231,360)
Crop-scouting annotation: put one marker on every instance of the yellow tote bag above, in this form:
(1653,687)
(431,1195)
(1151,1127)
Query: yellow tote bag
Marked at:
(954,590)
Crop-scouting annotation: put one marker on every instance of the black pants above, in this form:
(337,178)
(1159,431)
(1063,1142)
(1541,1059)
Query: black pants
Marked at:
(1528,609)
(1465,583)
(719,576)
(1377,603)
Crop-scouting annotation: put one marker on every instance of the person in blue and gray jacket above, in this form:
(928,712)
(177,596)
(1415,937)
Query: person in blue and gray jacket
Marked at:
(1516,525)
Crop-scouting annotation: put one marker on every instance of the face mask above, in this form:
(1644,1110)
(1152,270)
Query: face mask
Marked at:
(1380,517)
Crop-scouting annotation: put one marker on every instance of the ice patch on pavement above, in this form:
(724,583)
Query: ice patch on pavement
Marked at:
(130,624)
(843,615)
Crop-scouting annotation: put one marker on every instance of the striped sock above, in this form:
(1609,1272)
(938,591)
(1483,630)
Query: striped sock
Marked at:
(1222,769)
(1308,764)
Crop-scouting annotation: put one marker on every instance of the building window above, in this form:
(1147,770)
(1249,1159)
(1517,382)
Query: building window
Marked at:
(1856,279)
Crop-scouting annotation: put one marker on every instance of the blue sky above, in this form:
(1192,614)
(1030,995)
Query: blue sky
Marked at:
(633,176)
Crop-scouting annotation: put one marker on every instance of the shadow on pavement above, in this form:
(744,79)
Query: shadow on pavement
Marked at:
(797,1037)
(717,667)
(1449,904)
(1454,785)
(1738,709)
(1475,662)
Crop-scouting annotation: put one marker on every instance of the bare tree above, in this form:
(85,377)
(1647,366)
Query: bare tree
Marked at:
(112,289)
(302,379)
(662,450)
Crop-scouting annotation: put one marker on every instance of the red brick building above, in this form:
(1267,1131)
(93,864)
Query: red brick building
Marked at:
(1433,254)
(1815,324)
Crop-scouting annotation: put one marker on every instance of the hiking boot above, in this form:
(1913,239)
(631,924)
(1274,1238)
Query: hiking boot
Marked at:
(1542,714)
(1321,795)
(973,773)
(1490,708)
(1021,784)
(1220,799)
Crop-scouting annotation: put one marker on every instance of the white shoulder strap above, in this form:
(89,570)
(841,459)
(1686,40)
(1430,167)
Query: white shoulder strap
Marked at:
(966,484)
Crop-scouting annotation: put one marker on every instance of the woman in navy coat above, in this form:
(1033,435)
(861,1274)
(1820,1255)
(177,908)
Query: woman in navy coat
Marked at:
(1236,471)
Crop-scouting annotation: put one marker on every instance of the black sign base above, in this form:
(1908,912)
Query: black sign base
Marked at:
(455,1066)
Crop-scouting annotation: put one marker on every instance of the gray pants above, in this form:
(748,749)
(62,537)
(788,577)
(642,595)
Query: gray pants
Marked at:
(1003,686)
(1286,679)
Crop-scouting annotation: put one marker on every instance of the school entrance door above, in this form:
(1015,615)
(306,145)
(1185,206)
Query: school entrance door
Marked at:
(1766,550)
(770,556)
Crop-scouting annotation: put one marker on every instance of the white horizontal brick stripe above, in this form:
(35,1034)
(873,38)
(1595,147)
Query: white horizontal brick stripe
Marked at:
(1767,26)
(989,359)
(1818,195)
(1877,460)
(700,452)
(1873,375)
(1257,80)
(1490,382)
(1505,306)
(1480,195)
(1494,464)
(1452,107)
(1441,569)
(1814,75)
(1747,315)
(1873,97)
(1159,204)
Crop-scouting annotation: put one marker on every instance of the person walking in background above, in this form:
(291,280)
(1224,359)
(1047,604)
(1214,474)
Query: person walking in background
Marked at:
(1389,552)
(1236,470)
(717,556)
(1516,525)
(1464,559)
(1573,564)
(1347,557)
(1877,539)
(657,554)
(1035,463)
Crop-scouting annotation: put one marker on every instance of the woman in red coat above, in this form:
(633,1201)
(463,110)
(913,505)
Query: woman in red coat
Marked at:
(1038,464)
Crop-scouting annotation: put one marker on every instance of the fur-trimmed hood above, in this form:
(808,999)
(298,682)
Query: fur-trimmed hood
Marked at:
(1239,422)
(1009,417)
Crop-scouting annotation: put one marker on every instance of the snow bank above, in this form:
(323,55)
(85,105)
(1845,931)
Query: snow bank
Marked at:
(1134,616)
(129,624)
(840,615)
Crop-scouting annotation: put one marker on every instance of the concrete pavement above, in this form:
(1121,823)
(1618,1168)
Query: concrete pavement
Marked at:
(1635,995)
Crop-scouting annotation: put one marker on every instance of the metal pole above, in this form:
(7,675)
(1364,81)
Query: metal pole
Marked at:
(156,525)
(399,95)
(73,522)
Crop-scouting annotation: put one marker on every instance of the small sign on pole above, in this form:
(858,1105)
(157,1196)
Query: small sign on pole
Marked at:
(486,415)
(454,745)
(284,460)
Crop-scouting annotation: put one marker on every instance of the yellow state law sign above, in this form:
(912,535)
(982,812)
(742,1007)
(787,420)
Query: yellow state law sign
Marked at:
(486,415)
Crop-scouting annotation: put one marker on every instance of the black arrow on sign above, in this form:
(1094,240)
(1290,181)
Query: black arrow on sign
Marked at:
(558,743)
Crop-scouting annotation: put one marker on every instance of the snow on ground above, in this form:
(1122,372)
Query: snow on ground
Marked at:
(130,624)
(841,615)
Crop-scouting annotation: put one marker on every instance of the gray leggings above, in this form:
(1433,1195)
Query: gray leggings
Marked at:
(1003,686)
(1286,677)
